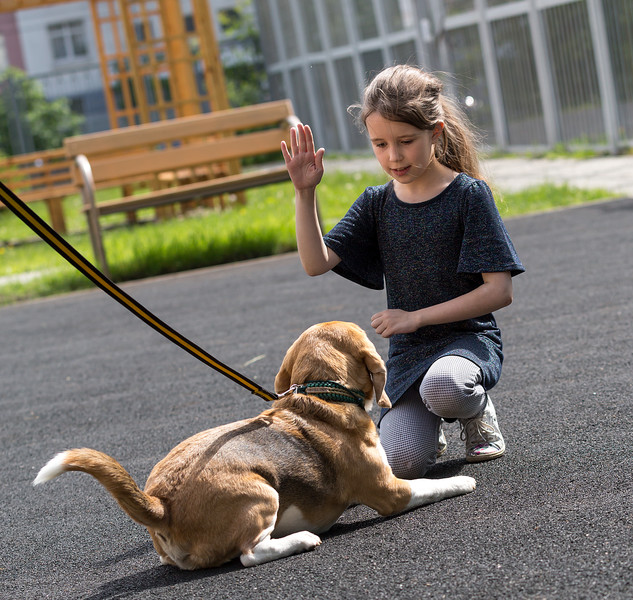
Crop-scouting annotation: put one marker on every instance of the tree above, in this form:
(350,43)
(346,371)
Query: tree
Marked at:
(28,120)
(244,67)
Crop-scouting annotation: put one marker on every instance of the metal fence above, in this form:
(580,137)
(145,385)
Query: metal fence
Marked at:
(530,73)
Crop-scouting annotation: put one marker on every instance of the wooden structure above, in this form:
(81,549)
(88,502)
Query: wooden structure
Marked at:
(43,176)
(156,61)
(203,146)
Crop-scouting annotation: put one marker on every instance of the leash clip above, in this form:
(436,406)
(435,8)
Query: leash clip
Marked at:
(292,390)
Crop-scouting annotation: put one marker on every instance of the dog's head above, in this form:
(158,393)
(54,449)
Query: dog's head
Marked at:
(335,351)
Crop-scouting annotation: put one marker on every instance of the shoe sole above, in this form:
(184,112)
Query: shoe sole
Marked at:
(485,457)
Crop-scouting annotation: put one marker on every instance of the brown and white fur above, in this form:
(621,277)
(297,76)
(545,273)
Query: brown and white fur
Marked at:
(262,488)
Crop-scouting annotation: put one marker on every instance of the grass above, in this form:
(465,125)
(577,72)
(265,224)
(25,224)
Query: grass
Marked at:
(29,268)
(546,197)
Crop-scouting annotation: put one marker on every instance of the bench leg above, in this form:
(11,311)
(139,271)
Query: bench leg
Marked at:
(56,214)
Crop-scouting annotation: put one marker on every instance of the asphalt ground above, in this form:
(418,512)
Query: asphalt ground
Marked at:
(551,519)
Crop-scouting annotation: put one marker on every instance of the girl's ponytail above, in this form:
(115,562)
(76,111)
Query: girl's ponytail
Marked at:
(459,142)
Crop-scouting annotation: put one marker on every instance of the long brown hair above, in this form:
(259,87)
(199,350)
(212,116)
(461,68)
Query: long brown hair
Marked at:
(408,94)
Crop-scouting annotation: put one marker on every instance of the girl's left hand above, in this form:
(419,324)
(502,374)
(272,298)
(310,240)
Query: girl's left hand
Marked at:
(392,321)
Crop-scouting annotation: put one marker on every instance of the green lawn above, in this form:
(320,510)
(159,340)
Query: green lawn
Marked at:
(265,225)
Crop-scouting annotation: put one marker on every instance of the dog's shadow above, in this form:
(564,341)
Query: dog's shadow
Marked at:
(161,576)
(155,578)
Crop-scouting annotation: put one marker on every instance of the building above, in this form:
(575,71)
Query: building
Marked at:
(531,74)
(56,45)
(59,51)
(10,48)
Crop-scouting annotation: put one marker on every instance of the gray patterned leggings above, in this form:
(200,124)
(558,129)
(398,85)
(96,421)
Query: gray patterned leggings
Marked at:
(452,388)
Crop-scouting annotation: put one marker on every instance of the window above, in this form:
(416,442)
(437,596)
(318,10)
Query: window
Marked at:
(310,26)
(68,40)
(336,22)
(4,58)
(366,19)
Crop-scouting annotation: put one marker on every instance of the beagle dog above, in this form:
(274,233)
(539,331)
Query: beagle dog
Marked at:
(264,488)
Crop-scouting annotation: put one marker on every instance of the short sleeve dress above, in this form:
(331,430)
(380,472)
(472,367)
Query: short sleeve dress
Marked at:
(424,254)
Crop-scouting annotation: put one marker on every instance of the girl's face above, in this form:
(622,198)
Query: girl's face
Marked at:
(403,151)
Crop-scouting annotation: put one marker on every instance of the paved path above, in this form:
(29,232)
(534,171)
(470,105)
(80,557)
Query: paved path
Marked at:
(551,519)
(613,173)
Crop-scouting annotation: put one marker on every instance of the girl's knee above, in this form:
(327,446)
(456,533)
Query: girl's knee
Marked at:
(452,388)
(409,463)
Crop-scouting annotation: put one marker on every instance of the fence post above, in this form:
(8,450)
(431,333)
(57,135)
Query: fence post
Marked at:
(608,97)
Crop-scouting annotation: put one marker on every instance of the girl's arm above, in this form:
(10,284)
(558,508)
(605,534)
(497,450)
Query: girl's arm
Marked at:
(305,167)
(494,293)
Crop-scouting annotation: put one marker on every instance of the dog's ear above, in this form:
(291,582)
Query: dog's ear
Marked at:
(376,367)
(282,379)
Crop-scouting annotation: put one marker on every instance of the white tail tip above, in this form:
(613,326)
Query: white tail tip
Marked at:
(54,467)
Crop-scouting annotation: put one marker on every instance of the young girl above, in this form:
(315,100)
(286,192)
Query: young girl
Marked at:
(434,238)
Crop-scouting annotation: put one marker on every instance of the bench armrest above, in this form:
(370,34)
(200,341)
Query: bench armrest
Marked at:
(88,194)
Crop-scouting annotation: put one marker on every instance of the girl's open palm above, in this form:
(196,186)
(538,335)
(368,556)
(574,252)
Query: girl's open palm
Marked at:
(305,166)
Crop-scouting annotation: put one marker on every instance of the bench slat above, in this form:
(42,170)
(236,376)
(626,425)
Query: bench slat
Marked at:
(47,193)
(160,132)
(36,176)
(224,185)
(150,152)
(251,144)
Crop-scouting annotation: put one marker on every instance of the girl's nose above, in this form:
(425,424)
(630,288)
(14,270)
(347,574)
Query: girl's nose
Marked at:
(394,153)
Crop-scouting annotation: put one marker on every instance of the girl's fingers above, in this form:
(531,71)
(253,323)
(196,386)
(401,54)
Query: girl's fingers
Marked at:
(301,129)
(294,146)
(301,141)
(284,152)
(319,158)
(309,139)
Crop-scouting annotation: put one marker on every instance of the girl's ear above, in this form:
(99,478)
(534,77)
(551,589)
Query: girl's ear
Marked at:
(437,130)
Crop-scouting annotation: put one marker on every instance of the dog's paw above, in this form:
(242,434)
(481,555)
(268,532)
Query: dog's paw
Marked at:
(308,540)
(274,548)
(464,484)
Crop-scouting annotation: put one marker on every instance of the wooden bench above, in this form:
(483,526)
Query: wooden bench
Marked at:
(41,176)
(207,148)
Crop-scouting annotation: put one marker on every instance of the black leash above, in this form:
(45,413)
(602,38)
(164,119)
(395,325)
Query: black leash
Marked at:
(62,247)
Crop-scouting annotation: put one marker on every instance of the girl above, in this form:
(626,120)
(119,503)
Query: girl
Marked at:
(434,238)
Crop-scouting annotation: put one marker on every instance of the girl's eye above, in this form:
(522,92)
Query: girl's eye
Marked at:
(405,141)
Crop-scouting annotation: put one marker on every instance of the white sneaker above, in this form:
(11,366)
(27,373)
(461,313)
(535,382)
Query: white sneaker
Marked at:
(482,435)
(442,445)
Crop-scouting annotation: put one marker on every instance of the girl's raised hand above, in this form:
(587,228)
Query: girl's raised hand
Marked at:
(305,166)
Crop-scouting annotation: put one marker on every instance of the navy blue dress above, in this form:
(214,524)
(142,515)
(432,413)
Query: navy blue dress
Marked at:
(424,254)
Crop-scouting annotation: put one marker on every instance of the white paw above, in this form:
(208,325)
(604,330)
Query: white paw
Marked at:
(274,548)
(464,484)
(308,540)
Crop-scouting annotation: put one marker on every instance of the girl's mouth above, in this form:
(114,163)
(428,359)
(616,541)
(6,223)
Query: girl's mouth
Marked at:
(400,172)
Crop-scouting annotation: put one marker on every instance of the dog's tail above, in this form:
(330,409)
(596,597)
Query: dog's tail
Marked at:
(141,507)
